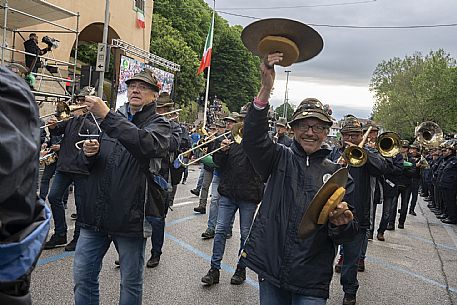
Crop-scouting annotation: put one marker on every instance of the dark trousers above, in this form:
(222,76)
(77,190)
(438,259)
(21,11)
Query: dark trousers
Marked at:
(48,173)
(405,195)
(389,211)
(62,181)
(158,233)
(352,251)
(414,193)
(449,200)
(437,197)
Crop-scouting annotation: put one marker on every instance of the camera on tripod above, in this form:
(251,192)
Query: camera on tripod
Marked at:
(51,42)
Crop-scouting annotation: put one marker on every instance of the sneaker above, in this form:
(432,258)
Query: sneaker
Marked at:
(339,264)
(195,192)
(74,216)
(380,237)
(72,245)
(55,241)
(349,299)
(401,225)
(412,213)
(201,210)
(239,276)
(153,261)
(361,265)
(212,277)
(208,234)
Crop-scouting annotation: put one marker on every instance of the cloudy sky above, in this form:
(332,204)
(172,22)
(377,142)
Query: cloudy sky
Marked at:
(341,73)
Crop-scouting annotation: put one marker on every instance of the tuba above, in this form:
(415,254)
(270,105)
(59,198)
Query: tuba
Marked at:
(388,144)
(429,134)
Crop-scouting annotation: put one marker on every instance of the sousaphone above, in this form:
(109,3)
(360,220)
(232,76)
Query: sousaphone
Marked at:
(297,41)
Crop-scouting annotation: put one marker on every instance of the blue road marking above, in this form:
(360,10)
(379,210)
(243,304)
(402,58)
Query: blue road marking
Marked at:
(427,241)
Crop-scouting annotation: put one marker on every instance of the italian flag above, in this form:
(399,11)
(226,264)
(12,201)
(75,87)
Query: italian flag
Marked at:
(140,19)
(206,58)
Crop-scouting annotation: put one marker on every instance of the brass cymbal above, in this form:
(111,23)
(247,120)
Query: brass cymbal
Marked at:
(296,40)
(309,220)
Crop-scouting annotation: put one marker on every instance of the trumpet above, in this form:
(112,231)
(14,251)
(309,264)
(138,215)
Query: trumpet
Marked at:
(237,136)
(388,144)
(64,115)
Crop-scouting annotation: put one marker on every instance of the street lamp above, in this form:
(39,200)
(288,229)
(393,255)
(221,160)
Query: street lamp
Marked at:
(286,94)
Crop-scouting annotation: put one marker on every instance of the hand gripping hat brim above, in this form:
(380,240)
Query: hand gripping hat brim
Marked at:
(297,41)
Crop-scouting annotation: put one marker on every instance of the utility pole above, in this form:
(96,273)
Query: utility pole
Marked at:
(286,94)
(101,79)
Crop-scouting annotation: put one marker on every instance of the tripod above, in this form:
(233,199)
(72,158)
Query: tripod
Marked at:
(45,66)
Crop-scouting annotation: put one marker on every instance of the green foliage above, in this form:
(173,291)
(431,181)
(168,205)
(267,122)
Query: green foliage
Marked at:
(168,43)
(280,111)
(234,70)
(415,89)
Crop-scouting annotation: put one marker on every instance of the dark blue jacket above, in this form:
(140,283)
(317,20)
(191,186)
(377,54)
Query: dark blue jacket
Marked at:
(273,250)
(448,178)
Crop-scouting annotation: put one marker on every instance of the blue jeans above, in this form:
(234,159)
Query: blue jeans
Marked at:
(227,210)
(272,295)
(363,251)
(158,233)
(48,172)
(62,181)
(200,178)
(352,251)
(90,250)
(214,207)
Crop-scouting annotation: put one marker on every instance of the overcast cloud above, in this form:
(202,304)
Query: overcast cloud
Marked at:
(350,56)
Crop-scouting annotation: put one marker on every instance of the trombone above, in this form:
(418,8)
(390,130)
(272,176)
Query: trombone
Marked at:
(356,156)
(237,135)
(64,115)
(388,144)
(172,112)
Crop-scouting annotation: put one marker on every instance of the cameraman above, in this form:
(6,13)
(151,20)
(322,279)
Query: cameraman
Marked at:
(31,46)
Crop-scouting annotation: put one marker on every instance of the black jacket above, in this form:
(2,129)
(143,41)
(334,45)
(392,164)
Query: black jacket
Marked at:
(273,249)
(30,46)
(391,177)
(448,177)
(238,181)
(68,153)
(285,140)
(116,188)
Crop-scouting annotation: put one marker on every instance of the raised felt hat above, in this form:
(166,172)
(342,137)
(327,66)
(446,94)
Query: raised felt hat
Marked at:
(374,127)
(281,122)
(297,41)
(311,108)
(351,124)
(164,100)
(148,77)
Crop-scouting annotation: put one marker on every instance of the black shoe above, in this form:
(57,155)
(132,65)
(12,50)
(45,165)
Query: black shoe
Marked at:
(449,221)
(438,212)
(71,245)
(74,216)
(212,277)
(184,181)
(380,237)
(195,192)
(116,262)
(390,227)
(412,213)
(401,225)
(200,210)
(370,236)
(56,241)
(208,234)
(361,265)
(442,216)
(153,261)
(349,299)
(430,205)
(239,277)
(229,235)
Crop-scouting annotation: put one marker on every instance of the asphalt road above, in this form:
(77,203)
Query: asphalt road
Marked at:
(417,265)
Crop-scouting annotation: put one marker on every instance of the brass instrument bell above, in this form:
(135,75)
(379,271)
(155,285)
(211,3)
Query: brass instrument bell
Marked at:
(388,144)
(429,134)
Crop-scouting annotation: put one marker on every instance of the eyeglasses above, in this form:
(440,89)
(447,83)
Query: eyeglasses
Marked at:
(139,86)
(315,128)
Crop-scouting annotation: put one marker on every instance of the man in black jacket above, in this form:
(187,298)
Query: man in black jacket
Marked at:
(448,182)
(290,268)
(31,46)
(281,129)
(121,190)
(241,188)
(68,171)
(360,198)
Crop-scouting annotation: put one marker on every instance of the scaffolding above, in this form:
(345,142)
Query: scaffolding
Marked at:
(17,14)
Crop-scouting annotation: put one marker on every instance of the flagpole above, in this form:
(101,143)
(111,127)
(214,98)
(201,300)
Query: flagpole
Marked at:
(205,108)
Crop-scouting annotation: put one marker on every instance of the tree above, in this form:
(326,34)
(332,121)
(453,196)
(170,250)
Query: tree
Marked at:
(280,111)
(415,89)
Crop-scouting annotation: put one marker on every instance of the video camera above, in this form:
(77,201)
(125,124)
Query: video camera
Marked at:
(51,42)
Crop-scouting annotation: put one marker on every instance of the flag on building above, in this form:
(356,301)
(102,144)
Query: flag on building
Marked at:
(206,58)
(140,19)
